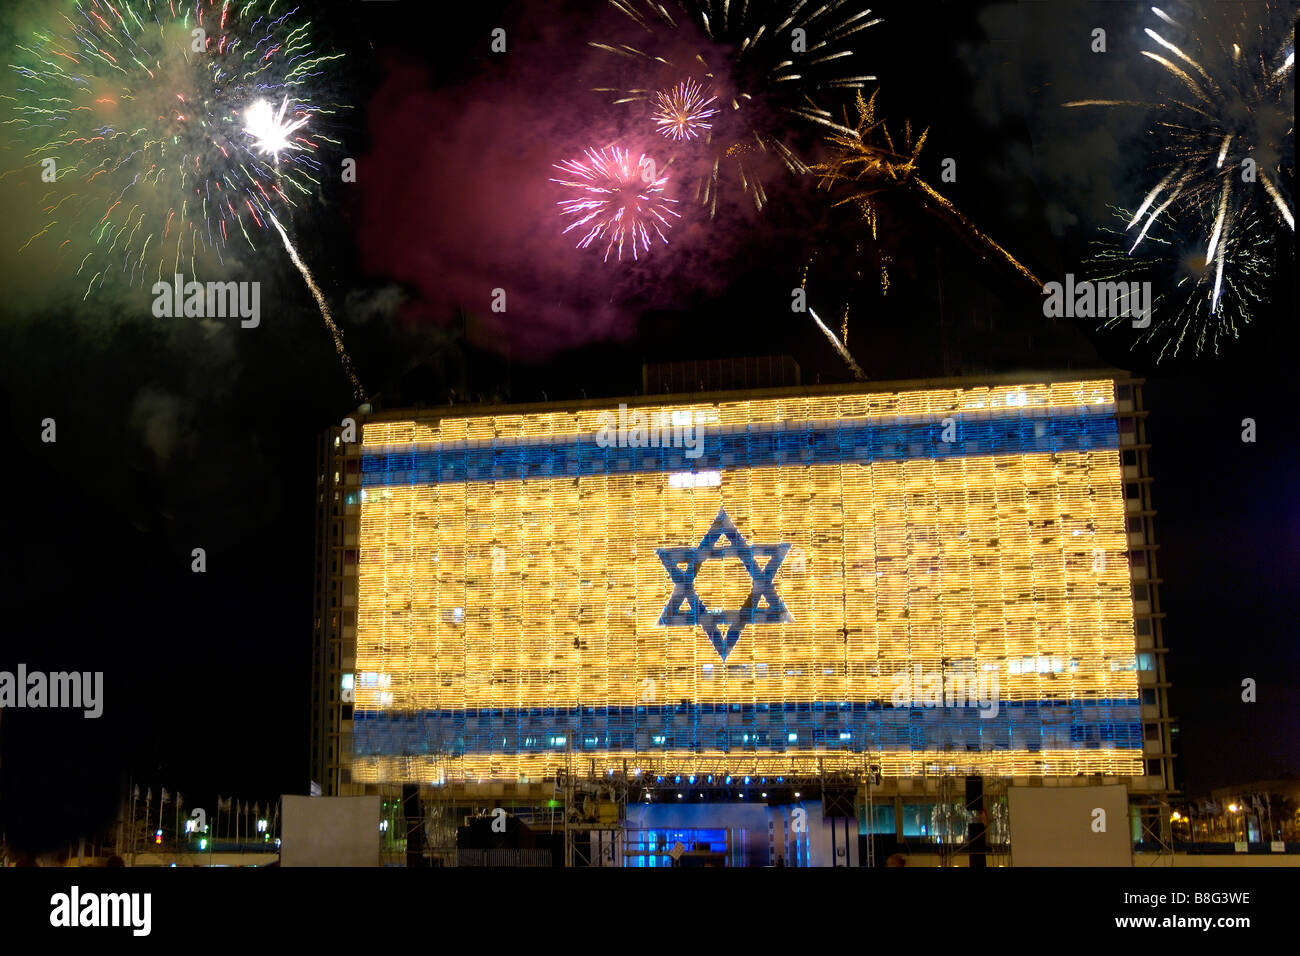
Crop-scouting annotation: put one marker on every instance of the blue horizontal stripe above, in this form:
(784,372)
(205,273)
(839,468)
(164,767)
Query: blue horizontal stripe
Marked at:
(810,443)
(649,728)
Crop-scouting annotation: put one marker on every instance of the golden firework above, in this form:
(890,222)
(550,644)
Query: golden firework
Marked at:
(868,162)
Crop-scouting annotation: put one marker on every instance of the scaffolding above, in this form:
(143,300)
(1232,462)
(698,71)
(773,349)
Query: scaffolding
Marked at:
(871,780)
(440,823)
(588,808)
(1155,828)
(953,815)
(594,805)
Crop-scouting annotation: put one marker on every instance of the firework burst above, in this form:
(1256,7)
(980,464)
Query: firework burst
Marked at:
(163,152)
(680,112)
(763,61)
(1201,302)
(154,127)
(867,161)
(616,199)
(272,135)
(1225,155)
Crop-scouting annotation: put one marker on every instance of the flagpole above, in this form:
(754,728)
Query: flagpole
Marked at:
(135,837)
(130,817)
(130,829)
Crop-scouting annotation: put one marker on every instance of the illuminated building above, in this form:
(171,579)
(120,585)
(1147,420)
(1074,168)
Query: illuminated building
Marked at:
(510,591)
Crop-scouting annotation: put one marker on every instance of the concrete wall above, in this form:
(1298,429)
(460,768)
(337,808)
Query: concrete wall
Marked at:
(330,831)
(1062,826)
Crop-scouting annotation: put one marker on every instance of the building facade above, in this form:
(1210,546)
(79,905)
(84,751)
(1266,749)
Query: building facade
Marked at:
(885,591)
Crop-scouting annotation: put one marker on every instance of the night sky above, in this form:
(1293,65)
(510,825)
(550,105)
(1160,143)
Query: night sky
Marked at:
(175,434)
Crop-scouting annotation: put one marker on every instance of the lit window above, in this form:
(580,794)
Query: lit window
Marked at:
(693,479)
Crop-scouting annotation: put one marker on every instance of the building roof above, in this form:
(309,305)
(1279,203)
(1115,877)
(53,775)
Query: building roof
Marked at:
(472,409)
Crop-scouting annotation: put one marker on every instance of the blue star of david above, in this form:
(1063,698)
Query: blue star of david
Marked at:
(685,608)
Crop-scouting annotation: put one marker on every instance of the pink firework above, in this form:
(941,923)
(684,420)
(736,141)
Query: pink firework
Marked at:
(680,112)
(617,199)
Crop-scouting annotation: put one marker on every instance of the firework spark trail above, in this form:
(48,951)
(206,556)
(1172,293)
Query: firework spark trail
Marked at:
(984,243)
(1240,110)
(616,199)
(1278,201)
(839,346)
(751,65)
(325,313)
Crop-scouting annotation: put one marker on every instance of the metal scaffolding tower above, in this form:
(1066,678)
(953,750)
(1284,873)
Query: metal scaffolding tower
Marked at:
(596,805)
